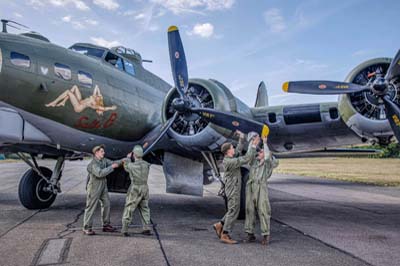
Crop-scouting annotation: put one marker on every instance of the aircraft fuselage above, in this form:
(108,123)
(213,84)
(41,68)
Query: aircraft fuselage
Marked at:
(93,95)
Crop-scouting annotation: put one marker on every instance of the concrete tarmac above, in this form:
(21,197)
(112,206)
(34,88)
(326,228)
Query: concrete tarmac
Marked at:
(314,222)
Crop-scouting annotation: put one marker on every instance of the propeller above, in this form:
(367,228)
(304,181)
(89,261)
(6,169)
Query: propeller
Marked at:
(394,68)
(178,61)
(182,104)
(220,118)
(393,114)
(378,86)
(154,137)
(323,87)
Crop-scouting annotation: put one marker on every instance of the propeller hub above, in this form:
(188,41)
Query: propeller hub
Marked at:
(181,105)
(380,86)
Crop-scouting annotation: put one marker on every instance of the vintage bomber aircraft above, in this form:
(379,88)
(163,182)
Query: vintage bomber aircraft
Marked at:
(60,102)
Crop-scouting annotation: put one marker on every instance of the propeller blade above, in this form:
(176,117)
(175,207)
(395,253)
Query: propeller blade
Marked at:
(232,121)
(155,136)
(394,68)
(178,60)
(322,87)
(393,114)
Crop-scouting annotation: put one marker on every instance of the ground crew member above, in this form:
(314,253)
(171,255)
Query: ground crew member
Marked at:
(257,194)
(98,170)
(138,192)
(233,180)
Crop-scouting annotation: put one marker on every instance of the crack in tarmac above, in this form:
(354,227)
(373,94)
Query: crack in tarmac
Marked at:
(20,223)
(69,226)
(317,239)
(322,242)
(159,242)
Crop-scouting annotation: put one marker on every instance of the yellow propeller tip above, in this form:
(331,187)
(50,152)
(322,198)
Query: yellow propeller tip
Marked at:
(172,28)
(265,131)
(285,86)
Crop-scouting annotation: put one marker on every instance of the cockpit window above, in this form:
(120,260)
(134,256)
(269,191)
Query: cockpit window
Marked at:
(62,71)
(85,78)
(96,52)
(129,68)
(115,60)
(20,59)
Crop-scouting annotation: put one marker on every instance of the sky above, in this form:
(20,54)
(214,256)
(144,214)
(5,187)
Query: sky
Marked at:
(238,42)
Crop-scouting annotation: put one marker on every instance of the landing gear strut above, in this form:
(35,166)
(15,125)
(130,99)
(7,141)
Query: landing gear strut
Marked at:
(39,185)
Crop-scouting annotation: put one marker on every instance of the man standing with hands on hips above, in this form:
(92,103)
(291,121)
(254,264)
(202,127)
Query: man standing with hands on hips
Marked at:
(97,191)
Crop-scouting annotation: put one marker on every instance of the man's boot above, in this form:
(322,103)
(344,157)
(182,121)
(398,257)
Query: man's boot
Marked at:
(109,228)
(265,240)
(250,238)
(225,238)
(88,232)
(124,230)
(147,232)
(218,229)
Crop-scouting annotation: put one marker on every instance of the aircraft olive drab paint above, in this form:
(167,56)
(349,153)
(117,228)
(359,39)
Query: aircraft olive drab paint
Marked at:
(1,60)
(62,102)
(94,101)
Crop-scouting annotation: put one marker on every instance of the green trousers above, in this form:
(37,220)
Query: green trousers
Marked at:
(96,192)
(137,197)
(257,200)
(233,211)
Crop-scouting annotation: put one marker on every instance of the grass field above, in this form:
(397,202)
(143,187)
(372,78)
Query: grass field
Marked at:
(10,161)
(382,172)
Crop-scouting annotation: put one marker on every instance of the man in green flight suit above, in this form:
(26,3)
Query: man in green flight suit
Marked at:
(233,181)
(96,189)
(257,194)
(138,192)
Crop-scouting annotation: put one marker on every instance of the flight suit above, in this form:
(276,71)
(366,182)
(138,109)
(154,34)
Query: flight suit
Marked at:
(257,193)
(97,191)
(233,182)
(138,193)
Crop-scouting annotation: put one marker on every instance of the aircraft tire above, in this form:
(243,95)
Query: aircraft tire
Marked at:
(30,190)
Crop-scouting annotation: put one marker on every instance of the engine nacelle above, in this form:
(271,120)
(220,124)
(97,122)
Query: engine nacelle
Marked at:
(194,132)
(362,111)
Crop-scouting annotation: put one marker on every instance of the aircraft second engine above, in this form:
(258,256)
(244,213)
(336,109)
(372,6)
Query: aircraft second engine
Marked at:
(363,111)
(191,130)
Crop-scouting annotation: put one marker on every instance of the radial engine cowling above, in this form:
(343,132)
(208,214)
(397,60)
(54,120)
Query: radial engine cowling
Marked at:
(363,112)
(192,131)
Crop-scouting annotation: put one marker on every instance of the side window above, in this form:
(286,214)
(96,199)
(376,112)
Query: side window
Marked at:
(115,60)
(129,68)
(85,78)
(20,59)
(120,63)
(62,71)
